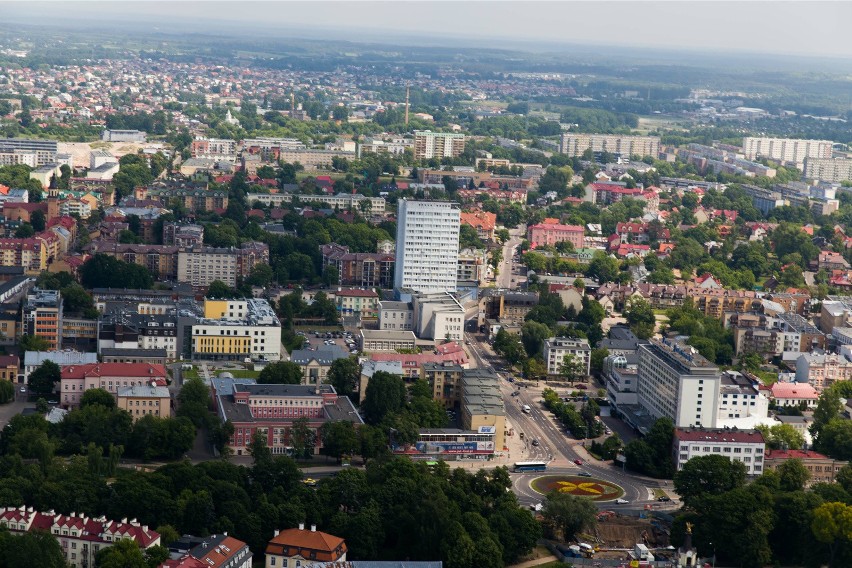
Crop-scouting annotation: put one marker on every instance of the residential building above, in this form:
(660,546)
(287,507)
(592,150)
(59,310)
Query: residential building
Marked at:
(822,370)
(794,394)
(551,232)
(483,221)
(362,269)
(428,144)
(314,159)
(556,348)
(427,246)
(363,303)
(412,364)
(481,405)
(621,145)
(270,410)
(473,266)
(77,379)
(142,401)
(621,376)
(828,169)
(80,537)
(144,332)
(445,380)
(45,150)
(438,316)
(508,305)
(297,548)
(192,198)
(213,148)
(786,150)
(823,469)
(396,316)
(676,382)
(201,266)
(341,201)
(396,146)
(9,368)
(621,341)
(42,316)
(161,260)
(183,235)
(234,330)
(211,551)
(746,446)
(316,363)
(372,340)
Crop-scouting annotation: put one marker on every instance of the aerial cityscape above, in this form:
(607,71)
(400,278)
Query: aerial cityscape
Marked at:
(425,285)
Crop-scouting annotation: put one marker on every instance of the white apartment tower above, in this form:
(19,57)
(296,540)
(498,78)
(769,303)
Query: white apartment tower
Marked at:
(786,150)
(676,382)
(427,246)
(428,144)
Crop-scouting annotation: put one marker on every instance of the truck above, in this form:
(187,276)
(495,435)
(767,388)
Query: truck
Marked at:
(526,408)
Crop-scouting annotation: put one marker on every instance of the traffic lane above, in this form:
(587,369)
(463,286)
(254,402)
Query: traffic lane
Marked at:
(522,488)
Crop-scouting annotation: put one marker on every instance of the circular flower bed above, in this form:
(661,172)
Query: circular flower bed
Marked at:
(594,489)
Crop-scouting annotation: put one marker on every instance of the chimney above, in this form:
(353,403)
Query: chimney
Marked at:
(313,528)
(301,526)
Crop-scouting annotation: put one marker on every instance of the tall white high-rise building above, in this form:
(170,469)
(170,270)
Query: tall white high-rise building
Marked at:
(786,150)
(427,246)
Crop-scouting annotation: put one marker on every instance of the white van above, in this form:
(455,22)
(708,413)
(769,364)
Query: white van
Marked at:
(526,408)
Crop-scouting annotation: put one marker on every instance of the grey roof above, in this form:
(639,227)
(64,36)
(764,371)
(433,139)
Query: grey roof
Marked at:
(378,564)
(369,368)
(324,355)
(61,358)
(118,352)
(281,390)
(140,391)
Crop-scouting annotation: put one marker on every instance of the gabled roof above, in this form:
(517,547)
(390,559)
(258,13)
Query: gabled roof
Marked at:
(326,546)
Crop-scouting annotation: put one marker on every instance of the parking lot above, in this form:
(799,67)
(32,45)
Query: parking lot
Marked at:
(316,339)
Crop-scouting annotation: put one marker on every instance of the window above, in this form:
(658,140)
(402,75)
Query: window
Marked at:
(272,561)
(738,450)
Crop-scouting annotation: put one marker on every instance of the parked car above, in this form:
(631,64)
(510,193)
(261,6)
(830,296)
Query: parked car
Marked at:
(535,442)
(622,501)
(664,499)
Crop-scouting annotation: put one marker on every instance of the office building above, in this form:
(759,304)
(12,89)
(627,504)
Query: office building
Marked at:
(42,316)
(786,150)
(438,316)
(427,246)
(556,348)
(481,405)
(621,145)
(428,144)
(746,446)
(676,382)
(551,232)
(235,330)
(80,537)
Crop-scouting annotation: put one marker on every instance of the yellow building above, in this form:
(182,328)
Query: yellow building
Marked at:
(445,380)
(9,368)
(237,329)
(142,401)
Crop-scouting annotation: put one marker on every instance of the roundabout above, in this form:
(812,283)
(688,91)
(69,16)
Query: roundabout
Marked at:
(579,486)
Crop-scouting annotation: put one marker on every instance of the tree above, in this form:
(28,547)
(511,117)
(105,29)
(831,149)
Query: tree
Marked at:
(640,317)
(832,524)
(218,290)
(344,375)
(572,368)
(597,358)
(103,271)
(828,408)
(38,548)
(533,335)
(97,396)
(194,401)
(281,373)
(258,449)
(781,436)
(339,438)
(712,474)
(123,554)
(302,438)
(43,380)
(385,394)
(603,268)
(835,439)
(569,513)
(794,475)
(24,231)
(33,343)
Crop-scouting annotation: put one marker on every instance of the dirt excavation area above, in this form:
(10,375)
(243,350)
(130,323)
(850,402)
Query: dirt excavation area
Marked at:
(80,151)
(624,532)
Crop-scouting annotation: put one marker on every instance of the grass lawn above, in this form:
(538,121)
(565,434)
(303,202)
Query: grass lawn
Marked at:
(190,373)
(244,374)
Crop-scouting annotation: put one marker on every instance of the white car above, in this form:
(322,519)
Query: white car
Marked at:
(622,501)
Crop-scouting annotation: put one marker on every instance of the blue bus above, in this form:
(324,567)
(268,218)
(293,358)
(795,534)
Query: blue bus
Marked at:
(529,466)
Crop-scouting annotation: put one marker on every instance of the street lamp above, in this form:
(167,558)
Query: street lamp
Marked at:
(714,554)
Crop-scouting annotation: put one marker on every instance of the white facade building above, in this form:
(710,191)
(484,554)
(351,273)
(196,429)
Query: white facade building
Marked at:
(786,150)
(427,246)
(746,446)
(577,144)
(396,316)
(438,317)
(676,382)
(556,348)
(428,144)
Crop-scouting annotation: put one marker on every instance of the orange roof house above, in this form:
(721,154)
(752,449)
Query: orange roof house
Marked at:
(304,546)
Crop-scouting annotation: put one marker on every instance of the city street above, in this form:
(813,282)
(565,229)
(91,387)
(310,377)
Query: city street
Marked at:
(504,276)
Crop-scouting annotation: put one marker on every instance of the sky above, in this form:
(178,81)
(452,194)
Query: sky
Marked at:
(805,27)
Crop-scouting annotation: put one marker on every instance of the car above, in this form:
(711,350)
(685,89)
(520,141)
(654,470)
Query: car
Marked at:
(608,431)
(664,499)
(53,402)
(578,462)
(23,389)
(535,442)
(516,393)
(584,474)
(467,341)
(580,387)
(510,379)
(310,481)
(622,501)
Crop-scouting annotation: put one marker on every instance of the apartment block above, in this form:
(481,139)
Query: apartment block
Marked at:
(577,144)
(551,232)
(484,222)
(676,382)
(822,370)
(786,150)
(213,148)
(445,380)
(81,537)
(428,144)
(359,302)
(341,201)
(45,150)
(556,348)
(828,169)
(314,159)
(746,446)
(427,246)
(362,269)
